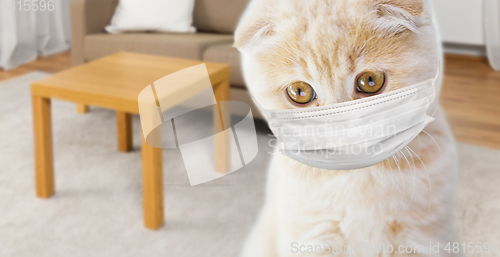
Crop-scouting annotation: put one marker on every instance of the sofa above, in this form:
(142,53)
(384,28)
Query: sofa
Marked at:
(215,21)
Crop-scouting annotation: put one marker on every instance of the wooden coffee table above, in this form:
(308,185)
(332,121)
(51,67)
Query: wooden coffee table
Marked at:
(114,82)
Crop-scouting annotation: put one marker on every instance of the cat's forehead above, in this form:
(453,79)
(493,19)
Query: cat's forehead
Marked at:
(328,38)
(318,11)
(338,32)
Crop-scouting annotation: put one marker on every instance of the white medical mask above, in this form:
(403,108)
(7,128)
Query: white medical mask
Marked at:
(355,134)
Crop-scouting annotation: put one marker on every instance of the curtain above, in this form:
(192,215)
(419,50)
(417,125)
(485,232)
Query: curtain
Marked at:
(40,28)
(492,30)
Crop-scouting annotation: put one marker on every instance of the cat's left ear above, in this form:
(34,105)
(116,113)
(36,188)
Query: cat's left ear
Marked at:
(397,15)
(255,25)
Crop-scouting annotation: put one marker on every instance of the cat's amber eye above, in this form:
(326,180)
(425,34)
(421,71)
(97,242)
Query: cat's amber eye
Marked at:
(301,92)
(370,82)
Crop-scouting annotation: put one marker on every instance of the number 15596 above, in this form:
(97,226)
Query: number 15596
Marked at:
(27,5)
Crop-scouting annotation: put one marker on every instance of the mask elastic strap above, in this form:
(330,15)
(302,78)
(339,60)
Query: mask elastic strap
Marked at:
(438,69)
(435,79)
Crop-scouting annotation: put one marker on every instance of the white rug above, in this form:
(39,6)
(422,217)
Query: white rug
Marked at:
(97,210)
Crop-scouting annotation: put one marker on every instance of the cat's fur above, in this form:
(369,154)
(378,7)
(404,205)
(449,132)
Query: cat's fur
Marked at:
(406,200)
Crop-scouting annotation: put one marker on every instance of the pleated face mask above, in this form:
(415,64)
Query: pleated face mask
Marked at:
(355,134)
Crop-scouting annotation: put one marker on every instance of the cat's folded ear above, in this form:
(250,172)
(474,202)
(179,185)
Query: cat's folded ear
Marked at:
(398,15)
(256,24)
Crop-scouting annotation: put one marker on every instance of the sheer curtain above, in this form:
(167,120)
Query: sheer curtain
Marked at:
(28,33)
(492,30)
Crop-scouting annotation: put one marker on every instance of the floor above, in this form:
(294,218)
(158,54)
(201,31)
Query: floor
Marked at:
(470,95)
(51,64)
(471,99)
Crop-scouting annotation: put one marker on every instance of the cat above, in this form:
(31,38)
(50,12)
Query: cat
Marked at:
(405,201)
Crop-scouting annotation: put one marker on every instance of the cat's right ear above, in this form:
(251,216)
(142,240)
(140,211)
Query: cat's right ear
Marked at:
(255,25)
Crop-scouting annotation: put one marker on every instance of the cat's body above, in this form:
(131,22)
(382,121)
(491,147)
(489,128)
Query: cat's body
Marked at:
(406,200)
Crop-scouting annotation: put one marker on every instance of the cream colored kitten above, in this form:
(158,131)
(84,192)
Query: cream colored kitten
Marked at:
(404,201)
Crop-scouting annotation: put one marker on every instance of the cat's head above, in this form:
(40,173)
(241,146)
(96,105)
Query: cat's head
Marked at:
(306,53)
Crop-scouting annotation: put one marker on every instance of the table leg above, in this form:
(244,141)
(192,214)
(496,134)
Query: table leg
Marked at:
(82,108)
(222,146)
(152,169)
(44,163)
(124,131)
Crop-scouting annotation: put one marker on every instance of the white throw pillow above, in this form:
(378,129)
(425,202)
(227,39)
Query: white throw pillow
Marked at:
(153,15)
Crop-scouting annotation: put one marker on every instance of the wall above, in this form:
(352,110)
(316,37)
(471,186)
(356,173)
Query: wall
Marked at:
(461,25)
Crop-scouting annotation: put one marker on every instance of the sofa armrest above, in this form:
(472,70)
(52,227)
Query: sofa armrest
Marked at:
(88,17)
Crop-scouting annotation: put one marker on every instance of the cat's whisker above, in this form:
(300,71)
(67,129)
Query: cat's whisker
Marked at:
(383,174)
(297,192)
(435,142)
(321,187)
(308,203)
(428,178)
(314,179)
(309,177)
(393,182)
(323,195)
(379,175)
(413,179)
(293,164)
(296,195)
(392,176)
(412,159)
(316,188)
(402,178)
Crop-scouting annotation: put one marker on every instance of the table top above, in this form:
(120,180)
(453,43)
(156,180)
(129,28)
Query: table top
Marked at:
(115,81)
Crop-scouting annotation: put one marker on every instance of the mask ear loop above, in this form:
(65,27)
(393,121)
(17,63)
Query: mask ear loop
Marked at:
(435,79)
(438,69)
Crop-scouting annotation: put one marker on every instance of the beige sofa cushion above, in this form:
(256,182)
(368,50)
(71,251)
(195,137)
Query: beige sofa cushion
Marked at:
(219,16)
(190,46)
(226,53)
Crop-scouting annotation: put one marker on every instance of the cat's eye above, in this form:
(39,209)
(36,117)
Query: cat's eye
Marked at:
(370,82)
(301,92)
